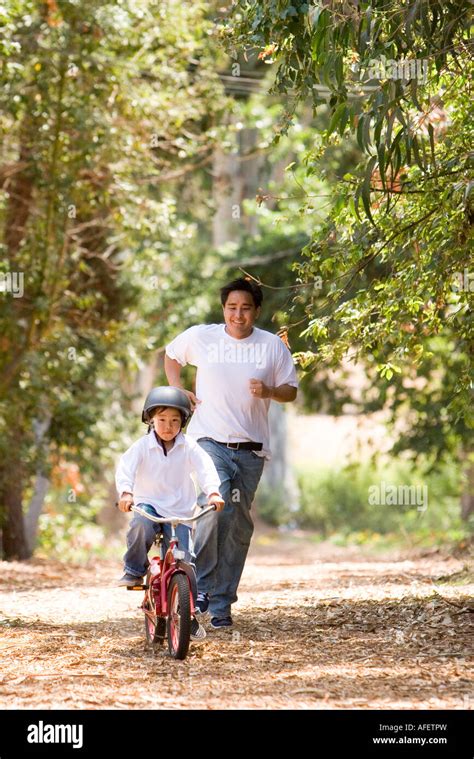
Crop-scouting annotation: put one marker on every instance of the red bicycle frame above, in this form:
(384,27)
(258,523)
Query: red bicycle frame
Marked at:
(162,570)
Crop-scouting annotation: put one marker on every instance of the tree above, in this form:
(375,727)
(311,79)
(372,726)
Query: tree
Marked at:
(107,107)
(395,250)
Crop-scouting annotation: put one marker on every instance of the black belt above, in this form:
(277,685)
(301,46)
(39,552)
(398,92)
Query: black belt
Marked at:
(242,446)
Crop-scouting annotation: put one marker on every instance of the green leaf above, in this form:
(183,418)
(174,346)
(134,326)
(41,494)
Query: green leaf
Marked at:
(416,151)
(381,161)
(343,121)
(366,133)
(341,108)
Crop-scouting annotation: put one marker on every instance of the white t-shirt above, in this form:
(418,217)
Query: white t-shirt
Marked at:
(165,481)
(228,411)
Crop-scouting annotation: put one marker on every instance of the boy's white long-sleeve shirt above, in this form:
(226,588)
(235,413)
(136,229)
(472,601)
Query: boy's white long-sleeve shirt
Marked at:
(165,481)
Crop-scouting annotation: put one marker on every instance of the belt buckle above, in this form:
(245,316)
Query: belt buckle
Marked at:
(233,446)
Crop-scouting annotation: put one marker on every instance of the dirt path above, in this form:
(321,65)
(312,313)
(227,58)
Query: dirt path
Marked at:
(315,627)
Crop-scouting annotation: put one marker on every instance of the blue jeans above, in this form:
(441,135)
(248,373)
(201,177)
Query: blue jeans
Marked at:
(222,538)
(140,536)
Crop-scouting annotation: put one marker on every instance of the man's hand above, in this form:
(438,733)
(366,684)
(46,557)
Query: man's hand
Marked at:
(126,502)
(283,393)
(215,500)
(173,375)
(193,400)
(259,389)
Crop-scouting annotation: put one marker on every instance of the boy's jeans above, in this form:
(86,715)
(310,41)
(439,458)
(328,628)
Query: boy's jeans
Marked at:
(222,539)
(140,536)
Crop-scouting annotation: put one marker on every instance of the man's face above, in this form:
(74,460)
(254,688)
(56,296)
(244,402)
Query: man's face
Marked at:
(167,423)
(240,314)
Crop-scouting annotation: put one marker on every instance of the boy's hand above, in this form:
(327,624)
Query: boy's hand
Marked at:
(126,502)
(215,500)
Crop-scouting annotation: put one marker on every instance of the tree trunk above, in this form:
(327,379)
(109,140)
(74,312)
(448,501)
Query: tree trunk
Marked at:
(14,544)
(12,476)
(19,184)
(236,178)
(41,429)
(36,505)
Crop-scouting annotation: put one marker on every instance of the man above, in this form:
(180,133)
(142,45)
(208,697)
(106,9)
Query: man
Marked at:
(240,369)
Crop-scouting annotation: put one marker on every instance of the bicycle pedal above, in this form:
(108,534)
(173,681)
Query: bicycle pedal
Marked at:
(137,587)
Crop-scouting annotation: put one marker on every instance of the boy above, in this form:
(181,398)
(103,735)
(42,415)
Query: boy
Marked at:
(156,470)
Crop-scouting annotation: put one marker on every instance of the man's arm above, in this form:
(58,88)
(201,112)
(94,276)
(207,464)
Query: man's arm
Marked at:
(173,375)
(282,393)
(173,371)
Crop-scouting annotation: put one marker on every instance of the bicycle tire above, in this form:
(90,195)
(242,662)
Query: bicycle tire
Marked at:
(179,616)
(155,632)
(155,629)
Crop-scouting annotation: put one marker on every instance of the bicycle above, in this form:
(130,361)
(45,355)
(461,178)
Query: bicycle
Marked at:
(170,588)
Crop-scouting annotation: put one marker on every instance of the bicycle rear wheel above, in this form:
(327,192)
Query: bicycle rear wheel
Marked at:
(155,630)
(155,627)
(179,616)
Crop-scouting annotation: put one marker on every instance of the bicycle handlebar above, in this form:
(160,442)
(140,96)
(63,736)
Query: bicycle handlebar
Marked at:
(172,520)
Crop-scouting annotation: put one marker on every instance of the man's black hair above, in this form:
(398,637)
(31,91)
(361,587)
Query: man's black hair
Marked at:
(247,285)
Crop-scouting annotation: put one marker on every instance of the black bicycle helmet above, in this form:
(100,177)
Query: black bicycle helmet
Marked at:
(171,397)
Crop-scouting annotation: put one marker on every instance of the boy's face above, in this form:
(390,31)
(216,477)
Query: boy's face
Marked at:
(240,314)
(167,423)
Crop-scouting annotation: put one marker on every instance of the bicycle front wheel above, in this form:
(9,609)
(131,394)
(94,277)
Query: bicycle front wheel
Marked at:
(179,616)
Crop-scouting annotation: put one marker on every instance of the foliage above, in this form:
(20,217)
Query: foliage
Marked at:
(395,250)
(67,530)
(107,108)
(271,505)
(337,500)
